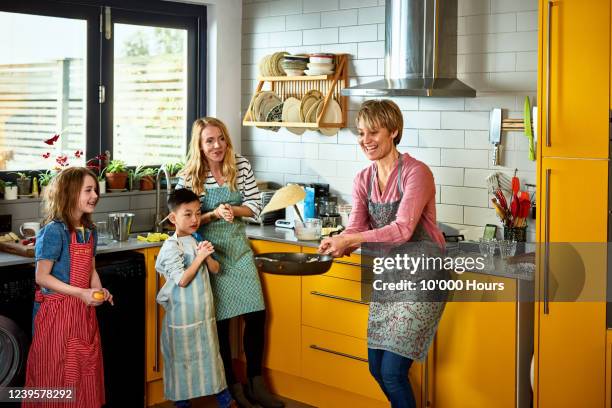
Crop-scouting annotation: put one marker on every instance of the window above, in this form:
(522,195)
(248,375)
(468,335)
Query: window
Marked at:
(105,77)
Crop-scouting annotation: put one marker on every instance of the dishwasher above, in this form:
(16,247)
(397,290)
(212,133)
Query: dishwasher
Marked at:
(122,328)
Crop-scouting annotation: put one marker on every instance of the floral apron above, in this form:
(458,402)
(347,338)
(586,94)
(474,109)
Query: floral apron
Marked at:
(66,350)
(236,288)
(404,327)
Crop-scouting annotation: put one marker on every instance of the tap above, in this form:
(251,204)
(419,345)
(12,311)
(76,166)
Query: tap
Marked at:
(158,213)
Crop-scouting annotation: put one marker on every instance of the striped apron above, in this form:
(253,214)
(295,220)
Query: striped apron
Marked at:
(189,344)
(66,350)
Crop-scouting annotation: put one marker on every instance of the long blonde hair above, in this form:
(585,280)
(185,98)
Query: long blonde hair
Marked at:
(61,196)
(196,169)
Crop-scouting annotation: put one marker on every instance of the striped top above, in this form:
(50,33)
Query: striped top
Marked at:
(245,183)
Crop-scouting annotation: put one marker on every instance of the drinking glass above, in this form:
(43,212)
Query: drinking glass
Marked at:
(507,248)
(104,237)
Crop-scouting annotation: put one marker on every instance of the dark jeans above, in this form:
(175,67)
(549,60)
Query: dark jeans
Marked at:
(391,372)
(253,341)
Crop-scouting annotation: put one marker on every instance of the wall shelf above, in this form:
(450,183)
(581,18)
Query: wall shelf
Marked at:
(297,86)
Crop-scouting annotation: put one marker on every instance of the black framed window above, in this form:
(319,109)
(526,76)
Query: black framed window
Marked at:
(123,77)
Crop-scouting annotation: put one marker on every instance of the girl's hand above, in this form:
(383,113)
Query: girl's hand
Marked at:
(107,296)
(205,249)
(87,296)
(334,246)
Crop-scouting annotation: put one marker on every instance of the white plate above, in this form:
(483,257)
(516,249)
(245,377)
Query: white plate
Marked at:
(291,113)
(311,72)
(333,114)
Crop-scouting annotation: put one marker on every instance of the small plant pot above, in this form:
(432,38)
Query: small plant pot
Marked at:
(116,181)
(147,183)
(23,186)
(10,192)
(102,186)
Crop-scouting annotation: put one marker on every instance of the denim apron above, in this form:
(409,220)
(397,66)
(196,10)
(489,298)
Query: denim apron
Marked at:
(404,327)
(236,288)
(192,363)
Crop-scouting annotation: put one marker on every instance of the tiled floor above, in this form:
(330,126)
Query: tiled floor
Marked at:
(209,402)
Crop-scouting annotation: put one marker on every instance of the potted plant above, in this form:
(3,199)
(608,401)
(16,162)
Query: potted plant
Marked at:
(116,174)
(10,191)
(44,178)
(102,181)
(145,176)
(97,165)
(173,168)
(24,184)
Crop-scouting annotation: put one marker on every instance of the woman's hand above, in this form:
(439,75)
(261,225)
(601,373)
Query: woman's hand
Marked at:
(334,246)
(225,212)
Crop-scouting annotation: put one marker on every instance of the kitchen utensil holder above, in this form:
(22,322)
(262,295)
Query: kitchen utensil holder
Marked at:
(518,234)
(298,86)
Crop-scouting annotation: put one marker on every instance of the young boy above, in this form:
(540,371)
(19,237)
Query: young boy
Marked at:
(192,363)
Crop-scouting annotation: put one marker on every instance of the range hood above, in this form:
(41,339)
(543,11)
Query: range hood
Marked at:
(420,52)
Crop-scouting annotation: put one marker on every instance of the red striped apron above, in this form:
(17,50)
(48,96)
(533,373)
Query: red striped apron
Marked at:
(66,350)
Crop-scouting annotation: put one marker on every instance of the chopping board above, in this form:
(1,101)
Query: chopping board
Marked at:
(17,249)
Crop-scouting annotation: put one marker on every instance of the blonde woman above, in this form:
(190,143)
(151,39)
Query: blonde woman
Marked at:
(225,183)
(394,203)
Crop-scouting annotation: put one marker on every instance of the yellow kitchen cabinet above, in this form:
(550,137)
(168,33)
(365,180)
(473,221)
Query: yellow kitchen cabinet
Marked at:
(153,322)
(570,336)
(609,369)
(334,305)
(576,81)
(471,363)
(282,297)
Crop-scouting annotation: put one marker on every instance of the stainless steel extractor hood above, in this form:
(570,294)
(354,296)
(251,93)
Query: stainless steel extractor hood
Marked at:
(420,52)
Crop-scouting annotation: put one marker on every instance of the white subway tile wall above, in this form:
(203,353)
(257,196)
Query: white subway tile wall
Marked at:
(497,55)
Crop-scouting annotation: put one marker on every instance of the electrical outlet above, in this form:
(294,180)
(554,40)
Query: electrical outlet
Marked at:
(6,221)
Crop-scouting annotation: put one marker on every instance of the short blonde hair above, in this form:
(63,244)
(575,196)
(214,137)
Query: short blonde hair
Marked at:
(382,113)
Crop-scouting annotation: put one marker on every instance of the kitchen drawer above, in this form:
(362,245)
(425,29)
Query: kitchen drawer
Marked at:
(338,361)
(334,304)
(346,267)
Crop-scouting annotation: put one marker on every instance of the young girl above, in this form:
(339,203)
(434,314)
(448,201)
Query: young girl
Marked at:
(66,351)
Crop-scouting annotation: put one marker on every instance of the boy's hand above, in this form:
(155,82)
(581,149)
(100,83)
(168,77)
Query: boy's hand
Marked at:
(205,249)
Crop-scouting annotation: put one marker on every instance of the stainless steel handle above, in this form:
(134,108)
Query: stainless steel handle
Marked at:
(547,241)
(345,299)
(156,314)
(338,353)
(548,64)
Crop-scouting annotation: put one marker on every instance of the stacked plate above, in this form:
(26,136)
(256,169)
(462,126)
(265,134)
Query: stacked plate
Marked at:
(267,107)
(271,65)
(294,65)
(291,113)
(320,64)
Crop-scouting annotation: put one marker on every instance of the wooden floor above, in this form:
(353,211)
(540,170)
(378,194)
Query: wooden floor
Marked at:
(210,402)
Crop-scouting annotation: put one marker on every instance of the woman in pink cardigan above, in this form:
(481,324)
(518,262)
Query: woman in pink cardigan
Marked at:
(394,204)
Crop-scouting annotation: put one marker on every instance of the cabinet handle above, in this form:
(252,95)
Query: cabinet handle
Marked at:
(345,299)
(546,241)
(548,64)
(337,353)
(156,314)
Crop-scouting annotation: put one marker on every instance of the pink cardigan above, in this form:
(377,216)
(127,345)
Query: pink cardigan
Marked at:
(418,203)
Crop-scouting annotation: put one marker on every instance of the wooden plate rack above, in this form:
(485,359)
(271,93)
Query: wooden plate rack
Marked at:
(297,86)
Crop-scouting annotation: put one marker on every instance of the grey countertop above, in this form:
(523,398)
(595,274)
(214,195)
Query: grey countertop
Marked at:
(521,271)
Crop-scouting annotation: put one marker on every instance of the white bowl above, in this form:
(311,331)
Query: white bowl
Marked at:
(320,67)
(294,72)
(322,60)
(311,72)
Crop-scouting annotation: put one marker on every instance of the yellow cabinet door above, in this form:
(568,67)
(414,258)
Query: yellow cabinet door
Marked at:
(472,359)
(282,298)
(154,316)
(579,78)
(570,336)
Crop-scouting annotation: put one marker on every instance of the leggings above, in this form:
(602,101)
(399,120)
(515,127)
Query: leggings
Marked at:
(253,341)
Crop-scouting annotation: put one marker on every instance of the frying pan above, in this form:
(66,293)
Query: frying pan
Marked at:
(293,263)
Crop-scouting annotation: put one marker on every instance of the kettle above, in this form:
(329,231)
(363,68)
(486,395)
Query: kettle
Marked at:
(120,225)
